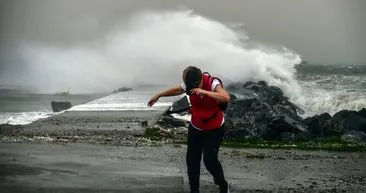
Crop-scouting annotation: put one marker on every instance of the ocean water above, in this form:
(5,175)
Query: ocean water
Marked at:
(331,88)
(22,106)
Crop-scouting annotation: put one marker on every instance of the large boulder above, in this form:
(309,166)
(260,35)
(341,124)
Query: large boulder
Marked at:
(229,124)
(179,106)
(285,124)
(316,124)
(362,113)
(355,122)
(60,106)
(169,121)
(238,108)
(354,136)
(343,121)
(336,125)
(262,111)
(287,136)
(241,129)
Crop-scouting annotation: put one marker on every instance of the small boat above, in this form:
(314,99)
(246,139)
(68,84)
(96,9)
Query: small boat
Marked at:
(65,93)
(123,89)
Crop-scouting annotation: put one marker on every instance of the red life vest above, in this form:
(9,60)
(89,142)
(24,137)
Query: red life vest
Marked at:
(204,107)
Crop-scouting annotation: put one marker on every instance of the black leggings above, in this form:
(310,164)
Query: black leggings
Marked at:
(209,142)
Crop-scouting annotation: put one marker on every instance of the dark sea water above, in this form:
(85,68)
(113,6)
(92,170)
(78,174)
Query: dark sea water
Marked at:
(331,88)
(21,106)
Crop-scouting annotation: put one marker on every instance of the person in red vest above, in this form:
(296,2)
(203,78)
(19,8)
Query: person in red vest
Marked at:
(206,128)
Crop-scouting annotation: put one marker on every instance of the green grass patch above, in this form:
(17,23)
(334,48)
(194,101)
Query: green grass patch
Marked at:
(331,144)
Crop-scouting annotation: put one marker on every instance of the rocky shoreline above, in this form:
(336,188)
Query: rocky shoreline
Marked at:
(261,112)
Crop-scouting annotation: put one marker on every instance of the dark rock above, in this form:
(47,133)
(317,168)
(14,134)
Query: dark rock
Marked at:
(341,114)
(271,134)
(245,103)
(247,84)
(354,136)
(238,108)
(60,106)
(144,123)
(271,94)
(287,137)
(10,130)
(362,113)
(336,126)
(246,130)
(316,124)
(274,100)
(285,109)
(355,122)
(170,121)
(228,125)
(240,129)
(263,83)
(284,123)
(343,121)
(234,86)
(276,91)
(265,94)
(157,131)
(297,109)
(233,97)
(179,106)
(258,106)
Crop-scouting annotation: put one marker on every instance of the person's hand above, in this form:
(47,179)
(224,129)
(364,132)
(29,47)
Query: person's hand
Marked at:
(153,100)
(199,91)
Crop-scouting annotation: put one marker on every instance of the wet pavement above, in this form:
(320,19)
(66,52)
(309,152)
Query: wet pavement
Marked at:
(48,167)
(82,168)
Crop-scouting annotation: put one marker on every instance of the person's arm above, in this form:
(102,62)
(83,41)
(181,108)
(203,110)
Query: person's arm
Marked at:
(219,94)
(173,91)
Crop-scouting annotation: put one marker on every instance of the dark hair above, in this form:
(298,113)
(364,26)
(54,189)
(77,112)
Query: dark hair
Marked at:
(192,77)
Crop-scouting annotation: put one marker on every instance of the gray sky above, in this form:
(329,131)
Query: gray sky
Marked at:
(322,31)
